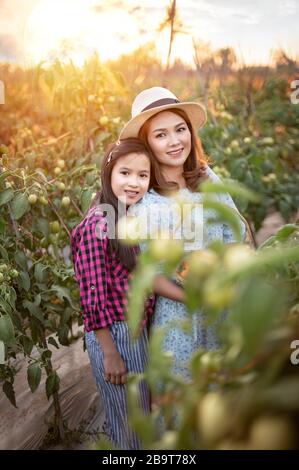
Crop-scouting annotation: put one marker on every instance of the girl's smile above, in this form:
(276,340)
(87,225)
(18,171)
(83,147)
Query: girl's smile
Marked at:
(130,177)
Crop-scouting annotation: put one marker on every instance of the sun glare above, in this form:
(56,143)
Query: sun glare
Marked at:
(73,29)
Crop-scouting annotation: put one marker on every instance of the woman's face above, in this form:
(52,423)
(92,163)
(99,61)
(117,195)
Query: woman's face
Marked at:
(130,177)
(170,139)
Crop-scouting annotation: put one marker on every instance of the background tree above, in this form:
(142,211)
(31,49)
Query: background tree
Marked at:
(175,24)
(227,58)
(205,67)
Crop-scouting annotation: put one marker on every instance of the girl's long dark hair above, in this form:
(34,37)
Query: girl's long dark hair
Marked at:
(194,166)
(126,254)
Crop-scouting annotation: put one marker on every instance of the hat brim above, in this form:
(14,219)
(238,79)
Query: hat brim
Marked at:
(195,112)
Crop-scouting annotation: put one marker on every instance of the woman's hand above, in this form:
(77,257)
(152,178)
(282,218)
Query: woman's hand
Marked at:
(163,286)
(114,367)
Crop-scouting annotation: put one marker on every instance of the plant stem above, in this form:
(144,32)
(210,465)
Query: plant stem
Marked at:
(58,422)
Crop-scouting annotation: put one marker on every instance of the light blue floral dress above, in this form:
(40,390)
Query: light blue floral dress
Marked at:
(178,342)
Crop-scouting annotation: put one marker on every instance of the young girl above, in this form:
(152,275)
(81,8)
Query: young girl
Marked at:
(103,267)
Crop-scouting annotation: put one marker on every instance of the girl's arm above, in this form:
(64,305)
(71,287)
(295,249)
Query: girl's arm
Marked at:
(166,288)
(114,366)
(88,250)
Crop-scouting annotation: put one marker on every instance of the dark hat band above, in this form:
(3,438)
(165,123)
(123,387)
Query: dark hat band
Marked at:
(161,102)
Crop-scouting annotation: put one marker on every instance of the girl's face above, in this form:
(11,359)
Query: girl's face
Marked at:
(130,177)
(170,139)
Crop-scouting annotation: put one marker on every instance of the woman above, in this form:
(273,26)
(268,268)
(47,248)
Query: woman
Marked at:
(168,127)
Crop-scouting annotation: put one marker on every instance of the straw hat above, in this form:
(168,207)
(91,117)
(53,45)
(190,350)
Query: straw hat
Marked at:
(154,100)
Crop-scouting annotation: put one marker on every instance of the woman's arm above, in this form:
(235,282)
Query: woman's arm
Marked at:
(114,366)
(166,288)
(225,198)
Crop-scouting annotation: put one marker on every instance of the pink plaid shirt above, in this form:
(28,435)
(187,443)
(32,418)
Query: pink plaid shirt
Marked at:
(103,280)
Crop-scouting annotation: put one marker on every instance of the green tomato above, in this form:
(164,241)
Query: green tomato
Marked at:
(3,149)
(270,432)
(167,250)
(214,417)
(53,238)
(72,213)
(210,361)
(61,186)
(61,163)
(32,199)
(55,226)
(203,263)
(236,256)
(65,201)
(217,297)
(3,268)
(14,273)
(44,242)
(234,144)
(103,120)
(43,200)
(267,141)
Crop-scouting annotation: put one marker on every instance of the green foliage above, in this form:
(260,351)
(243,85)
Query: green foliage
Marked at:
(251,373)
(34,374)
(7,334)
(260,150)
(52,384)
(37,286)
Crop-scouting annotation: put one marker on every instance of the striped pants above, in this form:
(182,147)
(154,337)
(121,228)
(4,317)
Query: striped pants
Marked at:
(135,356)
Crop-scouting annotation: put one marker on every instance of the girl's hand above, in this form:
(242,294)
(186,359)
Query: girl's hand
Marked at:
(114,366)
(115,369)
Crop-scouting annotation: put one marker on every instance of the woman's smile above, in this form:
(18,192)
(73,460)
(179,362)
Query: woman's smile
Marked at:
(176,153)
(170,139)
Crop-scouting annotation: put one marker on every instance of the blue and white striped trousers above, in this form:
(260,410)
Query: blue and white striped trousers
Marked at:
(135,356)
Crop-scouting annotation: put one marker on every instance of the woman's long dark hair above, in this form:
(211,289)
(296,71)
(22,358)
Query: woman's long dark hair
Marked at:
(194,166)
(126,254)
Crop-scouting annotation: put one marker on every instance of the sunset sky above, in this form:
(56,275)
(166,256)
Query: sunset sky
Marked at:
(36,30)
